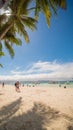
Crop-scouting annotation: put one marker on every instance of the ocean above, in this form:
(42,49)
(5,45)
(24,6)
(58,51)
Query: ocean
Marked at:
(41,83)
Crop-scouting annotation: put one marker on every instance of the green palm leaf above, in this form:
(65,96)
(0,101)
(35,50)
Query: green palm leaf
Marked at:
(29,22)
(24,6)
(12,38)
(4,29)
(1,53)
(37,8)
(46,11)
(60,3)
(9,48)
(21,30)
(0,46)
(48,7)
(1,65)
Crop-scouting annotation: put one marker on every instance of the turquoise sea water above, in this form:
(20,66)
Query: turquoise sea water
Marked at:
(41,83)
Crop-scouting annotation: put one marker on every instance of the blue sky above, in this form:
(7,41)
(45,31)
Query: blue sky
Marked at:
(49,55)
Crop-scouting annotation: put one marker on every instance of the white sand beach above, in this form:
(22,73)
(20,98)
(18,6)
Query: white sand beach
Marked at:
(36,108)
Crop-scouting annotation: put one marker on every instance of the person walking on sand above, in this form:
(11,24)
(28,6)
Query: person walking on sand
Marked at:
(17,86)
(3,84)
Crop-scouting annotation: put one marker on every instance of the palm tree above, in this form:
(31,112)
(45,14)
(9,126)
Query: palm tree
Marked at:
(16,22)
(19,18)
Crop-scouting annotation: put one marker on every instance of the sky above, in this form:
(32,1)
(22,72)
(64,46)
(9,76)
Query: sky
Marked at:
(48,56)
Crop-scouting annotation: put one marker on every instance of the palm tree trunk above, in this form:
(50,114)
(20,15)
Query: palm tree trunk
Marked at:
(6,30)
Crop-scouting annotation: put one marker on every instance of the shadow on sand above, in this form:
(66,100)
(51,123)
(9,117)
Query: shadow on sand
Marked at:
(13,118)
(70,127)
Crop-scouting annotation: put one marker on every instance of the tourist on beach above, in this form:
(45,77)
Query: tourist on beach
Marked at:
(3,84)
(17,86)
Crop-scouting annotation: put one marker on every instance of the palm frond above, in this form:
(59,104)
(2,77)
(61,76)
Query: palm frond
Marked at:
(37,8)
(4,29)
(0,46)
(53,6)
(20,8)
(24,7)
(10,36)
(21,30)
(9,48)
(1,53)
(1,65)
(29,22)
(46,10)
(60,3)
(15,41)
(48,7)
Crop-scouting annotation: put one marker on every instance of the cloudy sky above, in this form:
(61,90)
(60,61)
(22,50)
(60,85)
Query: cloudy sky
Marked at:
(49,55)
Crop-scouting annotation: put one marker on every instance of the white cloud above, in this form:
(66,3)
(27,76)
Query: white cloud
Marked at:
(43,71)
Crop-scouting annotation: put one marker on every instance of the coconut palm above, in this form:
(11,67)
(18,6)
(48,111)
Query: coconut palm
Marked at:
(19,11)
(18,19)
(16,22)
